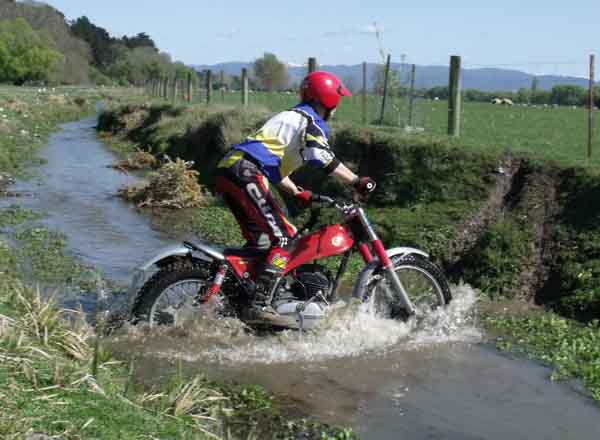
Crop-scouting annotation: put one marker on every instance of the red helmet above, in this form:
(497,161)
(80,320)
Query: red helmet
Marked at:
(323,87)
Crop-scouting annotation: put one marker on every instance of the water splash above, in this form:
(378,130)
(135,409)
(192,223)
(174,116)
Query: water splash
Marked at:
(349,331)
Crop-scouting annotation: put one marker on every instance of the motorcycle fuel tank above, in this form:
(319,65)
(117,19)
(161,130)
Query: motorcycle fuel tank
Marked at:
(326,242)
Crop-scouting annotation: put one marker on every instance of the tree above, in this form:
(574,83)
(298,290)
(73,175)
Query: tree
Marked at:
(524,95)
(98,38)
(25,55)
(393,81)
(540,97)
(475,95)
(140,40)
(271,72)
(568,95)
(350,84)
(535,85)
(440,92)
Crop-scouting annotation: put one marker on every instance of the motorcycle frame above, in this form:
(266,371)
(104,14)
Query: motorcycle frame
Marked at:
(357,228)
(329,241)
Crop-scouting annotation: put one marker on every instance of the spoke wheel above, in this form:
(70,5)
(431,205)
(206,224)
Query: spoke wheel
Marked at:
(424,283)
(175,294)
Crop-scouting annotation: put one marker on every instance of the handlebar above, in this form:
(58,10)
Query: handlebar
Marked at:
(320,198)
(315,213)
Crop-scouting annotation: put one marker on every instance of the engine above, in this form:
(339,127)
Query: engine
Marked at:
(311,281)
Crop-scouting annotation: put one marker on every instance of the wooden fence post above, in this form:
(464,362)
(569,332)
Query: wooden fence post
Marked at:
(189,88)
(385,88)
(454,97)
(175,80)
(165,90)
(364,93)
(208,86)
(411,96)
(591,107)
(312,64)
(222,85)
(245,87)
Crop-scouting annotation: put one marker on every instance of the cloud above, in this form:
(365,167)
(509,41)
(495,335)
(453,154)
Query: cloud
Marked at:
(229,35)
(369,29)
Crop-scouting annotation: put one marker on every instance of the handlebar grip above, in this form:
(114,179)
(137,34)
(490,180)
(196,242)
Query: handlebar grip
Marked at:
(322,199)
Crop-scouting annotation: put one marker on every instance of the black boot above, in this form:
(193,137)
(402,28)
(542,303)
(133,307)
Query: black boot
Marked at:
(260,311)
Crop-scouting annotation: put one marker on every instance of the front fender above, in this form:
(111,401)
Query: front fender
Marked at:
(367,272)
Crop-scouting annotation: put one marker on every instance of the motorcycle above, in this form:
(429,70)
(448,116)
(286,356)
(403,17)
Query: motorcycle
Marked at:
(396,283)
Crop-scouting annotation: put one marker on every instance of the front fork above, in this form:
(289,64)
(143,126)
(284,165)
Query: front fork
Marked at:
(386,262)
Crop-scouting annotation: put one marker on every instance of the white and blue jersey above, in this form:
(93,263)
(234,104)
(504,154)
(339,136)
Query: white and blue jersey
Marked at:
(287,141)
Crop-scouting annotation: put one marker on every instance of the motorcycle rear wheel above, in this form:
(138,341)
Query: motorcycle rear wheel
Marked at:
(174,294)
(423,281)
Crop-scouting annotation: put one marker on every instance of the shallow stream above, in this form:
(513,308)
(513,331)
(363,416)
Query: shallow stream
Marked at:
(438,379)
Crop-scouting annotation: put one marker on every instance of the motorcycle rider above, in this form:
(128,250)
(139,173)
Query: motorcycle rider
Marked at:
(284,143)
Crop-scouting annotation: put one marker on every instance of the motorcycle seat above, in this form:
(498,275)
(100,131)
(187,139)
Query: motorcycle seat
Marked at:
(246,252)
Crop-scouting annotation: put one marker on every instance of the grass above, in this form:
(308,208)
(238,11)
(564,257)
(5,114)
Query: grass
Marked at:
(49,384)
(558,134)
(29,115)
(571,348)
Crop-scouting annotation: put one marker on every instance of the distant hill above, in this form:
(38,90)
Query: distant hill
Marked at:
(426,77)
(44,17)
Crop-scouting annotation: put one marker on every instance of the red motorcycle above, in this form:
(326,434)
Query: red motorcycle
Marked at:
(396,283)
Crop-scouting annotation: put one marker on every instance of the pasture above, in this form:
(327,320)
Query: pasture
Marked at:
(557,134)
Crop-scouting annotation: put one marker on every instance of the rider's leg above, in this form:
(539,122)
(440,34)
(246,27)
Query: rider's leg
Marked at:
(246,188)
(233,197)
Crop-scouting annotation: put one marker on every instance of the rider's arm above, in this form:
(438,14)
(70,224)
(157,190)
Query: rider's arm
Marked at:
(344,174)
(288,186)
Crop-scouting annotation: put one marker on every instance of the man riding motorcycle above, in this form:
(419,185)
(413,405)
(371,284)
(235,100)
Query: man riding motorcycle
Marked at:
(286,141)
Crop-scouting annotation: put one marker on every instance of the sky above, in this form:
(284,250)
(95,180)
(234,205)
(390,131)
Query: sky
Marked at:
(540,37)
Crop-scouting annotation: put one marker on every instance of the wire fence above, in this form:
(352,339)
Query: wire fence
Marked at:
(515,120)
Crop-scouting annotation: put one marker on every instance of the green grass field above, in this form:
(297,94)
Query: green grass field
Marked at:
(558,134)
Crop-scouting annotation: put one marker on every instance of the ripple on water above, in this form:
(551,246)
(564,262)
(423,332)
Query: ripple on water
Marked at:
(349,331)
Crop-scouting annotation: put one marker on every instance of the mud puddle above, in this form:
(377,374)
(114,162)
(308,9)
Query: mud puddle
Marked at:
(437,379)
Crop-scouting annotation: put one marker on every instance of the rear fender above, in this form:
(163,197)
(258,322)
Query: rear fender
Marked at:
(199,251)
(367,272)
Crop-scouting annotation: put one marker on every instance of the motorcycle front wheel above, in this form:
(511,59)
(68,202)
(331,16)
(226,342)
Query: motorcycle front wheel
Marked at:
(424,282)
(175,294)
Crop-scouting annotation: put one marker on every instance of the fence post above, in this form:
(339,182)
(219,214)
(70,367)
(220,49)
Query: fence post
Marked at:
(222,85)
(174,90)
(385,88)
(189,87)
(364,93)
(454,97)
(245,87)
(312,64)
(591,107)
(165,90)
(208,86)
(411,96)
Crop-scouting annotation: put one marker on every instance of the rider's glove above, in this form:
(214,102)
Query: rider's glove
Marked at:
(306,197)
(364,185)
